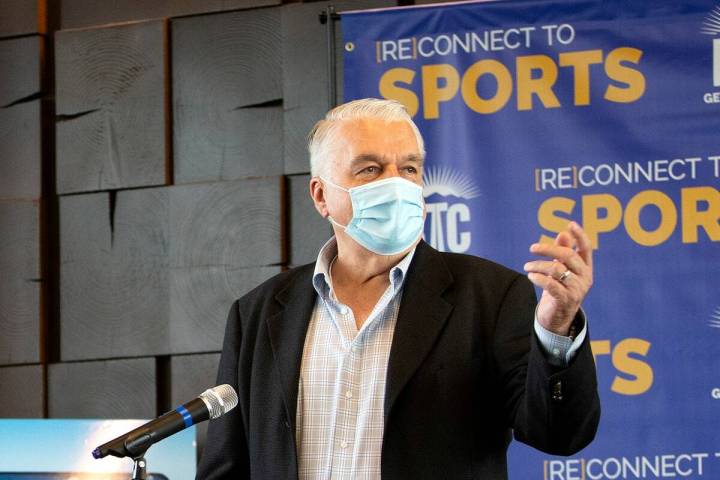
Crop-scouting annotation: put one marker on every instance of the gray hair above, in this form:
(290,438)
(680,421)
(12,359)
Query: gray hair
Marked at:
(324,134)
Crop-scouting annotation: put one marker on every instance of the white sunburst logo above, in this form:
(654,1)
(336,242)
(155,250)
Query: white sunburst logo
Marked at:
(446,193)
(711,26)
(715,318)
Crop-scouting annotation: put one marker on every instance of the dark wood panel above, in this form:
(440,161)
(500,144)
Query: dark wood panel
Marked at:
(20,17)
(305,73)
(154,271)
(192,375)
(22,392)
(110,102)
(308,230)
(20,161)
(20,67)
(226,144)
(104,389)
(232,224)
(20,151)
(199,301)
(228,59)
(113,275)
(20,285)
(222,64)
(85,13)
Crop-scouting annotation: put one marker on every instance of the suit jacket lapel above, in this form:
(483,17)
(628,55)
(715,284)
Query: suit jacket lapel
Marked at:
(287,330)
(423,313)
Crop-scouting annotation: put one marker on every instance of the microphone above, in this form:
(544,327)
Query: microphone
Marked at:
(211,404)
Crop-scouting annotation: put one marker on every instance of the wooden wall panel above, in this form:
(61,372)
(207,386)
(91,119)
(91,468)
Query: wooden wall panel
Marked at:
(235,224)
(20,285)
(20,157)
(200,298)
(85,13)
(110,102)
(155,271)
(191,375)
(104,389)
(305,73)
(22,392)
(20,17)
(222,64)
(113,278)
(308,230)
(20,151)
(20,66)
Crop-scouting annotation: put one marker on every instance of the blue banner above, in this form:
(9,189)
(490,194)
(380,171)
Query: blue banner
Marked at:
(605,112)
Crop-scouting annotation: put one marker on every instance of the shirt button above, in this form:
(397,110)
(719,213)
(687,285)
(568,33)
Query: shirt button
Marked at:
(344,444)
(556,352)
(344,310)
(348,394)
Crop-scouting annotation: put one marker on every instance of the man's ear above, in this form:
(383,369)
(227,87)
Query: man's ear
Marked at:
(317,193)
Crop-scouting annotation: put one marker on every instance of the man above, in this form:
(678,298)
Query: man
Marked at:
(388,358)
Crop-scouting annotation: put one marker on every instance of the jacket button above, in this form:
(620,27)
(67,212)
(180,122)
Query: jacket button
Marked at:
(287,424)
(557,393)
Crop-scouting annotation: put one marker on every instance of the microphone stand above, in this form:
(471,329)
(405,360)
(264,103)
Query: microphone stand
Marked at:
(139,471)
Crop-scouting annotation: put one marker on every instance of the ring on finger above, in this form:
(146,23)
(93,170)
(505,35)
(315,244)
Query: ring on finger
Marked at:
(564,276)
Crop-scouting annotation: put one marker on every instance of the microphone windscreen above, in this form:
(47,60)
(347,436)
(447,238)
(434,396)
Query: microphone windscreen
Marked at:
(219,400)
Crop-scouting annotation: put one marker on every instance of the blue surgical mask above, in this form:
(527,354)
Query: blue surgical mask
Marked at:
(387,215)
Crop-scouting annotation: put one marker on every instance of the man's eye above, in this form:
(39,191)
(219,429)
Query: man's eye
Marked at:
(371,169)
(411,170)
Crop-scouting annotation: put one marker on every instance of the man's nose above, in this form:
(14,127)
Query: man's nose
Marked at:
(391,170)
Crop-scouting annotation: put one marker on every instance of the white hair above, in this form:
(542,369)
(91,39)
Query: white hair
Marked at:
(323,136)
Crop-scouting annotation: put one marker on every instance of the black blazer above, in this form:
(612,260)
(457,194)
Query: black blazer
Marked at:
(465,371)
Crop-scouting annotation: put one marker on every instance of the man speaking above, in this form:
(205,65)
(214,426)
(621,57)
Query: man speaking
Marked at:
(388,359)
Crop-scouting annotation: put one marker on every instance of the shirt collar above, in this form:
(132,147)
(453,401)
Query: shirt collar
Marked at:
(328,252)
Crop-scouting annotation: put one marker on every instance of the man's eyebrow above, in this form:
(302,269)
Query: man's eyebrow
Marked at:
(415,158)
(371,157)
(365,157)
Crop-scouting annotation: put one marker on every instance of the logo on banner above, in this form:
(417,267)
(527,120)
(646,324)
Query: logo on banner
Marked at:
(715,318)
(711,26)
(446,193)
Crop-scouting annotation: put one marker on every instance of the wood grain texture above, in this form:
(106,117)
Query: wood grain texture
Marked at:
(20,17)
(199,301)
(20,286)
(20,124)
(105,389)
(229,144)
(22,392)
(222,64)
(110,102)
(20,151)
(20,67)
(190,376)
(305,73)
(113,278)
(308,230)
(156,273)
(85,13)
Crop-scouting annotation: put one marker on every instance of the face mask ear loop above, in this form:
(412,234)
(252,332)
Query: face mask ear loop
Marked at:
(333,184)
(344,227)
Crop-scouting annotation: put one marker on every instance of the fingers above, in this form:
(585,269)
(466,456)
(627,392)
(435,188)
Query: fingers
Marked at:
(565,255)
(549,284)
(546,267)
(584,246)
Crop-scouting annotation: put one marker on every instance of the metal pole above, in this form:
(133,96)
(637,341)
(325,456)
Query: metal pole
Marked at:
(330,17)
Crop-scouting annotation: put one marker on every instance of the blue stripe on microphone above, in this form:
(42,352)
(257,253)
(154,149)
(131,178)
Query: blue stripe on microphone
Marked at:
(187,418)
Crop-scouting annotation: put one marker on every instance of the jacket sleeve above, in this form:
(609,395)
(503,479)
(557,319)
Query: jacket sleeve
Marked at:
(226,452)
(554,409)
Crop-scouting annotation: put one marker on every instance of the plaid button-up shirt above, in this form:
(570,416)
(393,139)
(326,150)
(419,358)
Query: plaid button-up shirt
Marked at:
(342,380)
